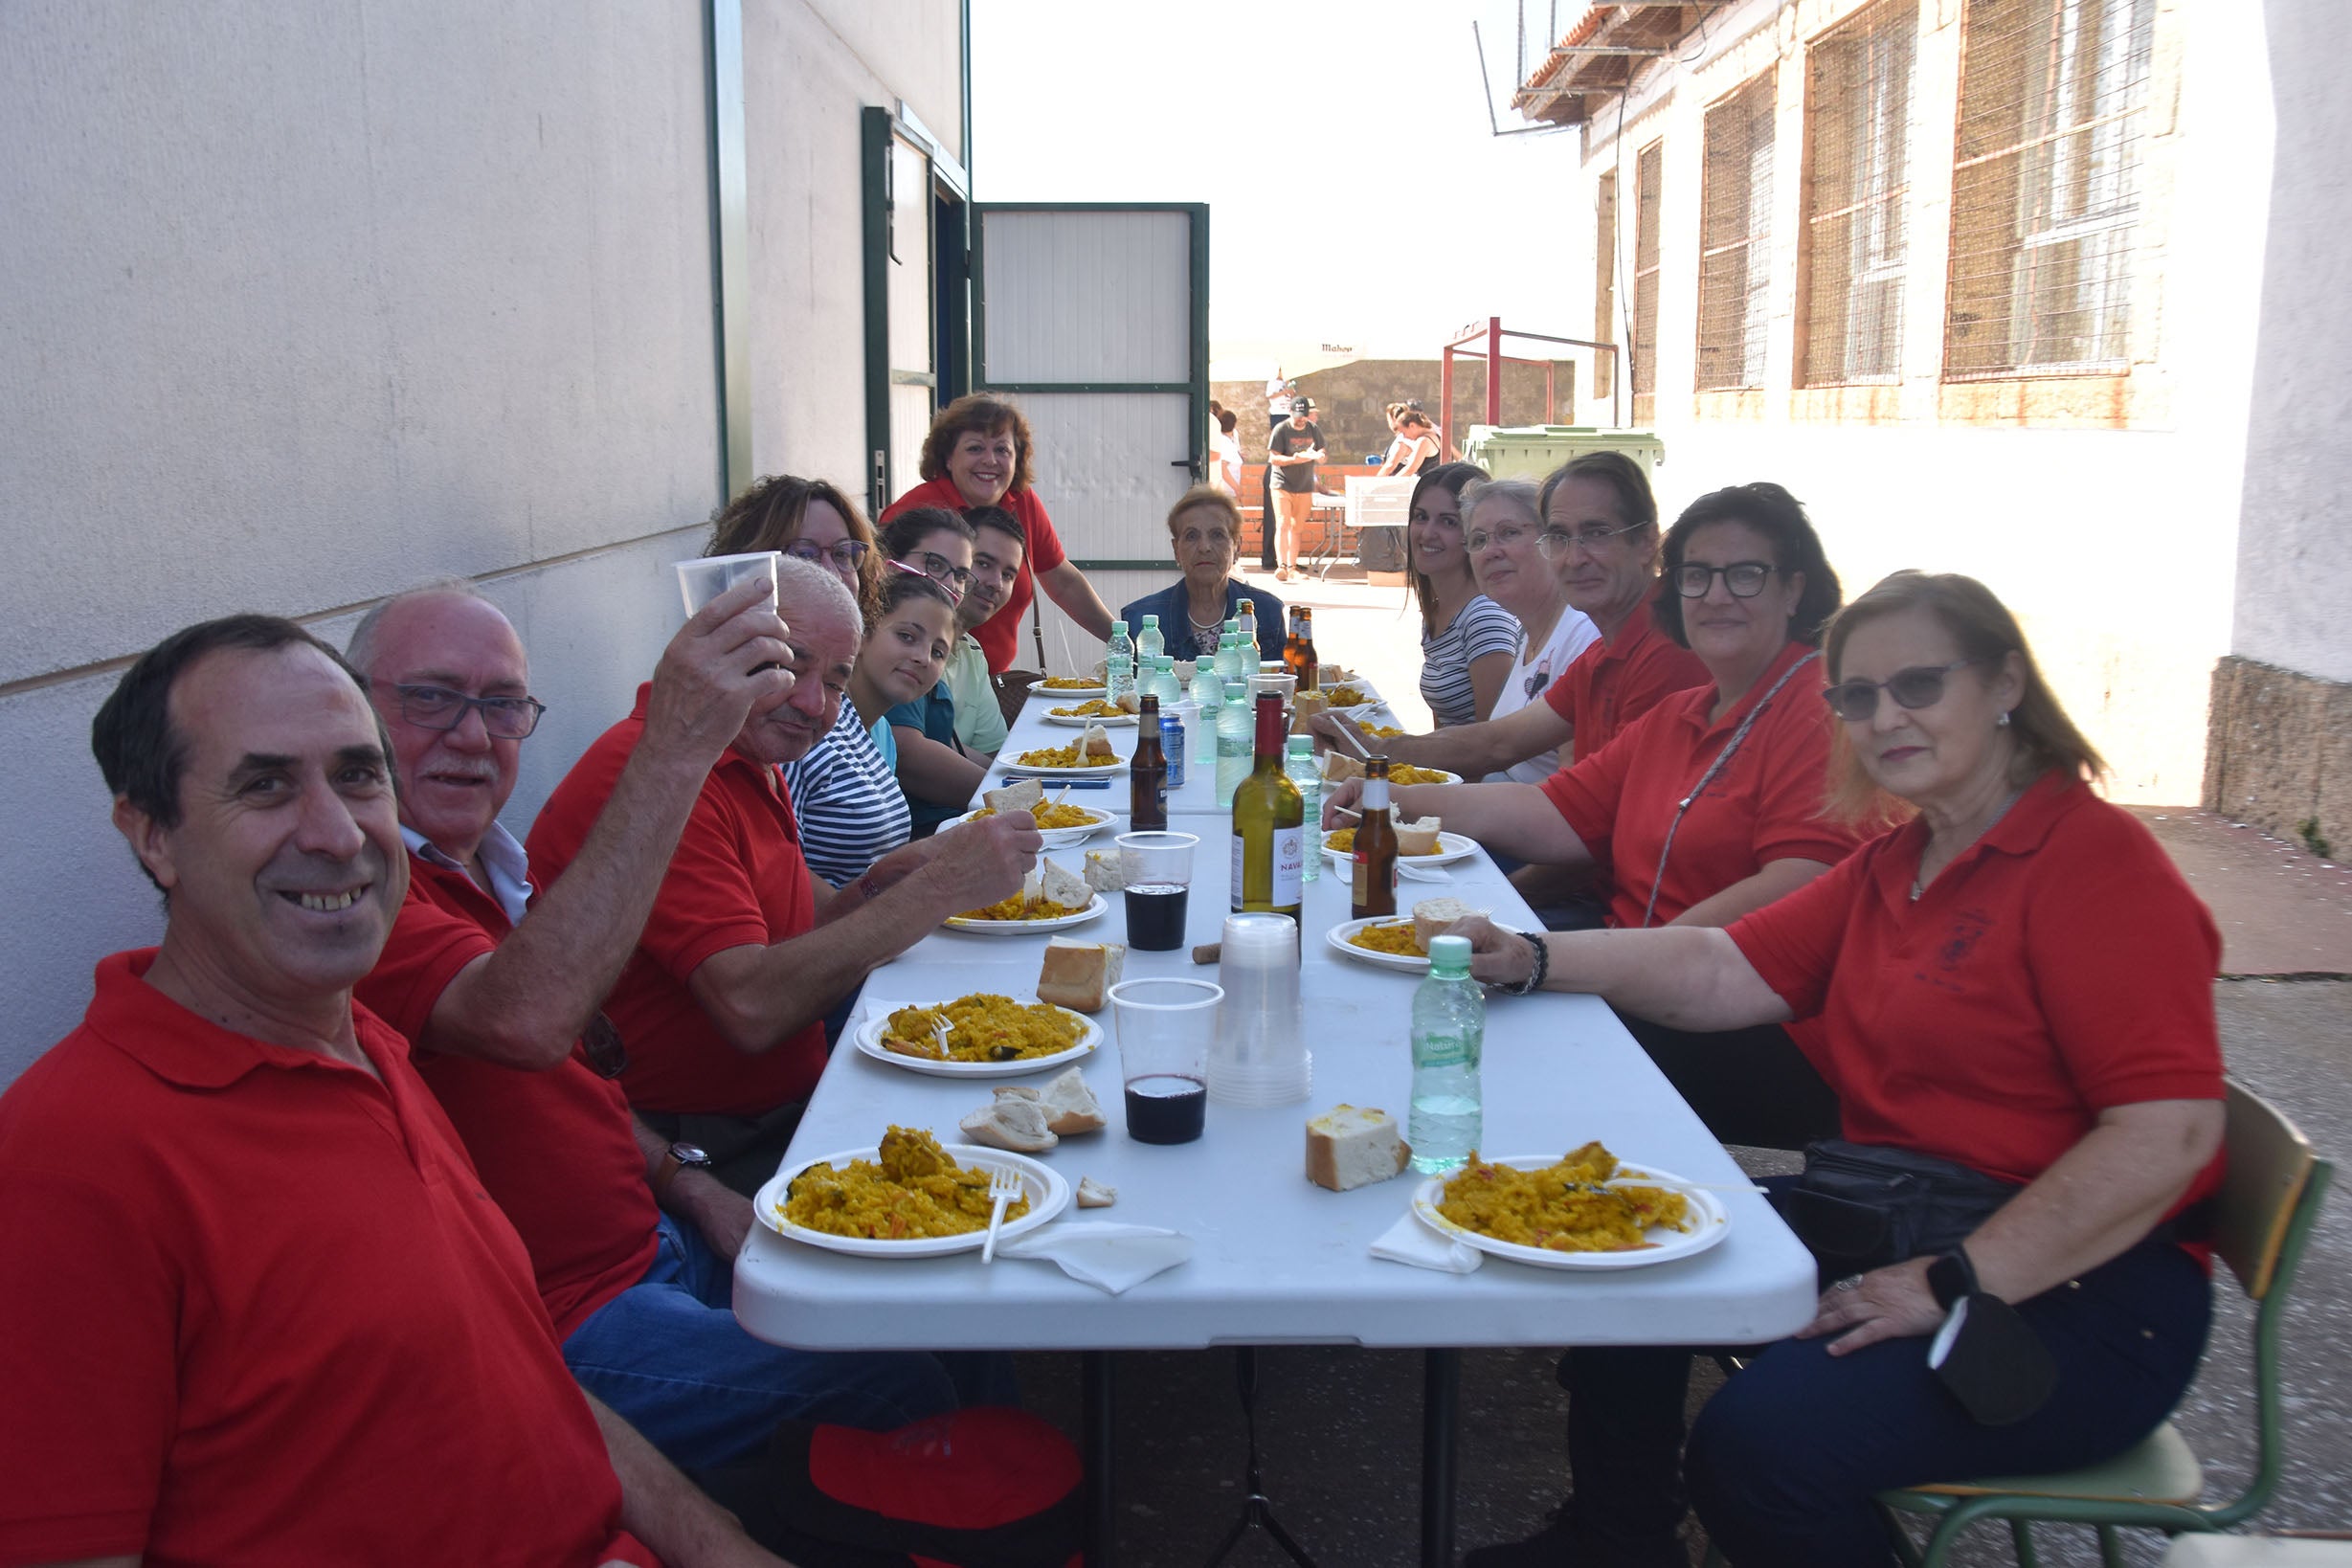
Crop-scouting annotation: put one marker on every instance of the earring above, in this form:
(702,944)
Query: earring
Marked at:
(2002,722)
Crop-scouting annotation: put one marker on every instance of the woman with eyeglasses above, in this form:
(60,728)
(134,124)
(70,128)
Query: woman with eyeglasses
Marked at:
(1467,642)
(937,774)
(1204,530)
(1709,805)
(1501,523)
(979,454)
(2013,993)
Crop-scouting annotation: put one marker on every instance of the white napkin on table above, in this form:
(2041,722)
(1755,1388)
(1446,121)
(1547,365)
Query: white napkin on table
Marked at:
(1409,1240)
(1106,1255)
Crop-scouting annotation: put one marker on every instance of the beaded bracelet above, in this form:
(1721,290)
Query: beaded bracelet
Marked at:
(1535,980)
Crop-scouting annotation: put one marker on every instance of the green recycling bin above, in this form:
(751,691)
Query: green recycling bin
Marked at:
(1530,452)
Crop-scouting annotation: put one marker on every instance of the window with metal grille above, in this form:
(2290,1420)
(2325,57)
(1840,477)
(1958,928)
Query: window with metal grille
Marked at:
(1735,238)
(1649,170)
(2046,187)
(1858,103)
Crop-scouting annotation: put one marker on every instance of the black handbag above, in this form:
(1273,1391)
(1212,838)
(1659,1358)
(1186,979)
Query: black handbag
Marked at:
(1860,1206)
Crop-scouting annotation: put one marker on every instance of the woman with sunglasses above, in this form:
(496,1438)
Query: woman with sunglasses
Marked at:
(1709,805)
(1467,642)
(937,774)
(2013,990)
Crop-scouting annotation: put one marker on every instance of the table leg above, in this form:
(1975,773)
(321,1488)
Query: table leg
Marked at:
(1441,1394)
(1096,1396)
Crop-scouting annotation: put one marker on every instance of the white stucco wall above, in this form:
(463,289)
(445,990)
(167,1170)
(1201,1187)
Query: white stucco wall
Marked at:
(2117,547)
(2295,576)
(305,304)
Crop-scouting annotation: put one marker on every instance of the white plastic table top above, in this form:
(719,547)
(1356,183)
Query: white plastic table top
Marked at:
(1278,1260)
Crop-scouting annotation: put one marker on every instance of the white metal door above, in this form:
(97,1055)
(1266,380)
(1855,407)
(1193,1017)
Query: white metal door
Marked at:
(1094,319)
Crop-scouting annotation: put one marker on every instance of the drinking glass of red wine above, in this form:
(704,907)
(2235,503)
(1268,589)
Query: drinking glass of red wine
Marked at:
(1164,1030)
(1158,871)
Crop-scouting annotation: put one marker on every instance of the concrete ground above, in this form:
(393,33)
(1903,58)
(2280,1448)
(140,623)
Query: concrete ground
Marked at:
(1340,1427)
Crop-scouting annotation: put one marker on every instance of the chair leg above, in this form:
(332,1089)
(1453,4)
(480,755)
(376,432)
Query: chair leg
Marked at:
(2111,1547)
(1899,1538)
(2021,1536)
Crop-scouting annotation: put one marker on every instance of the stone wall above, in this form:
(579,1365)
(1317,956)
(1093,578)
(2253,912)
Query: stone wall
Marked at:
(2278,754)
(1352,400)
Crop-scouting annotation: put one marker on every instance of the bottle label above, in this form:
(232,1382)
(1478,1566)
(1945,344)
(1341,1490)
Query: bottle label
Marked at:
(1434,1050)
(1289,860)
(1237,873)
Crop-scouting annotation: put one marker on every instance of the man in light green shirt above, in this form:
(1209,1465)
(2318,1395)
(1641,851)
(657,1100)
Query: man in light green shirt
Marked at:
(997,549)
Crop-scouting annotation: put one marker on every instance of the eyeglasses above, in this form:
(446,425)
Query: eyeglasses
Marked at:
(1555,542)
(1744,578)
(1856,702)
(844,553)
(939,570)
(1550,541)
(437,708)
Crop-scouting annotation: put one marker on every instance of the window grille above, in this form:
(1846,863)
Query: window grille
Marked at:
(2046,185)
(1735,238)
(1858,99)
(1648,173)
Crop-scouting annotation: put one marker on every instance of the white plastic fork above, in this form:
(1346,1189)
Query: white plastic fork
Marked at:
(1004,1186)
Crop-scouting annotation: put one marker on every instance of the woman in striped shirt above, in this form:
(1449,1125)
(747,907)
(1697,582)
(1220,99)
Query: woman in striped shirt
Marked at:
(1467,642)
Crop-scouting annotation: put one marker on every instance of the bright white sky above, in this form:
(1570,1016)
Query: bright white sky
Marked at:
(1421,220)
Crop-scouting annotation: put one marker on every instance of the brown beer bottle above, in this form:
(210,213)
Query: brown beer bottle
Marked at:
(1305,669)
(1147,775)
(1373,876)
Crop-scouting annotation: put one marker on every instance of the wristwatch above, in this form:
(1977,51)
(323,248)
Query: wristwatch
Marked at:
(1951,1276)
(676,1158)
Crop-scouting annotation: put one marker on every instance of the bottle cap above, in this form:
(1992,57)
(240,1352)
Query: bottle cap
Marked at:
(1449,956)
(1150,621)
(1301,746)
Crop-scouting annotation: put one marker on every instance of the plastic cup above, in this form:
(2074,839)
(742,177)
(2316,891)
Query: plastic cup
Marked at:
(1164,1029)
(1158,871)
(707,577)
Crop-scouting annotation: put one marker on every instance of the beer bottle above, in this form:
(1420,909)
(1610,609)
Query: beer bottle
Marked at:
(1147,775)
(1307,669)
(1372,873)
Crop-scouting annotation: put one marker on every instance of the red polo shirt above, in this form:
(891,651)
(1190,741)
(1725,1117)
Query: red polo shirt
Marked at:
(555,1148)
(1617,680)
(1765,805)
(257,1310)
(736,880)
(2057,967)
(1000,635)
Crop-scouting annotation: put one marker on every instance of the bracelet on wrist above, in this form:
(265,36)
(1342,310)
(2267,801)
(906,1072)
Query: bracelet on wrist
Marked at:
(1535,976)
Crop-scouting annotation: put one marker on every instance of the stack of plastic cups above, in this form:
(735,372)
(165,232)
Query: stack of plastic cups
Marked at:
(1260,1056)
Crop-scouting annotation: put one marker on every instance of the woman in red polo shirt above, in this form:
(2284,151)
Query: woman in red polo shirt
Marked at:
(1708,805)
(2014,997)
(978,453)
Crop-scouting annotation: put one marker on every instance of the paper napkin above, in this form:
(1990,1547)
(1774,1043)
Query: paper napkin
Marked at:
(1411,1242)
(1108,1256)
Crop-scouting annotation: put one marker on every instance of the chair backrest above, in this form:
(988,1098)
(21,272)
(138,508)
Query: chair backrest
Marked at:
(2271,1163)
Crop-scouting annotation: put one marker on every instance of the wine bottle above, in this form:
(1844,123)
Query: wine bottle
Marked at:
(1269,818)
(1372,889)
(1147,773)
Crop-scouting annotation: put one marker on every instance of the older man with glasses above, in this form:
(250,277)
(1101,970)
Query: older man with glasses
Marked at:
(498,984)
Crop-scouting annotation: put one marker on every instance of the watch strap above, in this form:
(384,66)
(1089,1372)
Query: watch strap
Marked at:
(1952,1277)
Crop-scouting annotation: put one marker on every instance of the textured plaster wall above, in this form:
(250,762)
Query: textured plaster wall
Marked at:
(305,304)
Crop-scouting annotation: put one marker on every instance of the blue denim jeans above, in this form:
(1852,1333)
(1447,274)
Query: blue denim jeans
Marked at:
(668,1355)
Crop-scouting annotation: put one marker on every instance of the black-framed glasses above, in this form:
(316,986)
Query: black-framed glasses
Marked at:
(1856,702)
(1555,542)
(939,570)
(437,708)
(1744,578)
(844,553)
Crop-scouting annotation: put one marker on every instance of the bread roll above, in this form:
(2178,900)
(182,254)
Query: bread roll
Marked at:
(1014,797)
(1432,916)
(1094,746)
(1338,767)
(1106,870)
(1351,1146)
(1010,1122)
(1093,1194)
(1419,838)
(1063,885)
(1079,975)
(1070,1105)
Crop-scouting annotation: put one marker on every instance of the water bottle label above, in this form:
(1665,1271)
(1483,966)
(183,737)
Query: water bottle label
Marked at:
(1441,1051)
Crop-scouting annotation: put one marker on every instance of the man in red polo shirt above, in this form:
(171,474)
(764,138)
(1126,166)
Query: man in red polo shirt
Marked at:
(258,1306)
(743,954)
(490,980)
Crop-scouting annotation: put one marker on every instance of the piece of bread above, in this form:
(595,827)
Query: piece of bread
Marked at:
(1419,838)
(1350,1146)
(1130,702)
(1094,746)
(1338,767)
(1432,916)
(1306,706)
(1093,1194)
(1079,975)
(1106,870)
(1014,797)
(1070,1105)
(1063,885)
(1010,1122)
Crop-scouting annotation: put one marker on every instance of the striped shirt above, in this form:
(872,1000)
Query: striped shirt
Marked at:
(1481,628)
(848,802)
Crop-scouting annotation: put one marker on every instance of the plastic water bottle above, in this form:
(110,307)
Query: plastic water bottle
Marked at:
(1164,684)
(1237,740)
(1299,762)
(1449,1032)
(1228,660)
(1148,642)
(1209,694)
(1118,664)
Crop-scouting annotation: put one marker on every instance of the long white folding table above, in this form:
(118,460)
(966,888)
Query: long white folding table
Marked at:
(1278,1260)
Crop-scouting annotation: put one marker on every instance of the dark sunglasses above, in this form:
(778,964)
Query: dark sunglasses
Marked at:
(1856,702)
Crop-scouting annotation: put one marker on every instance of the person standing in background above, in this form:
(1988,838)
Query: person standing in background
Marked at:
(1278,394)
(1292,451)
(1225,454)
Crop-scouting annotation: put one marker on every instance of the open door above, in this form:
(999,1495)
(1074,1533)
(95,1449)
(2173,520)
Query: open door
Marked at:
(1095,319)
(917,314)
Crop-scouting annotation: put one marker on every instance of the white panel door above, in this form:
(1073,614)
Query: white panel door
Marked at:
(1094,320)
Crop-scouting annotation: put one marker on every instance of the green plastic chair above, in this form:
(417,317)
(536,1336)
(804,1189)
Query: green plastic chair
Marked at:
(2262,1218)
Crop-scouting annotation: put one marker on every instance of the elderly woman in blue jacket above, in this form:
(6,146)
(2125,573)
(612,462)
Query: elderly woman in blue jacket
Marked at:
(1204,530)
